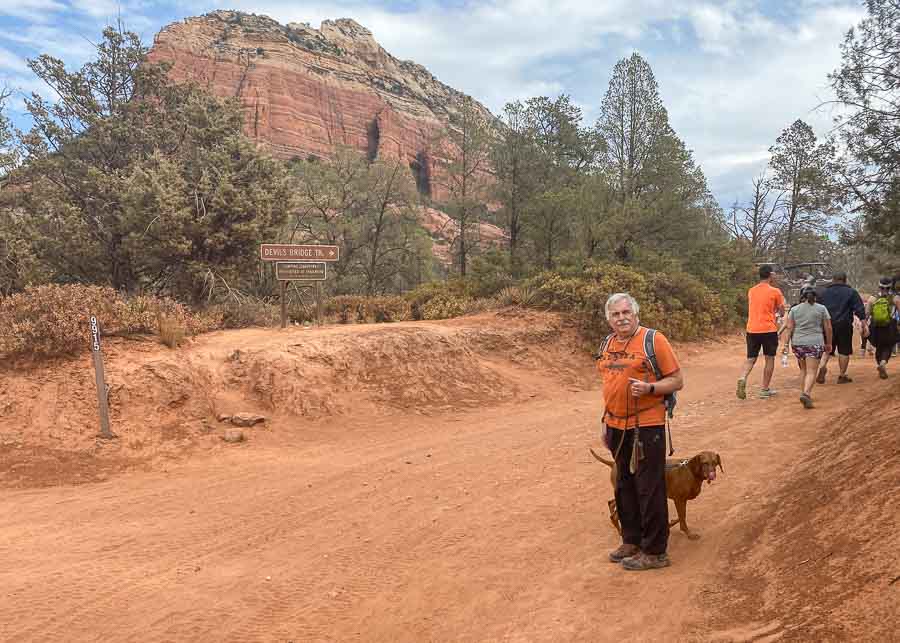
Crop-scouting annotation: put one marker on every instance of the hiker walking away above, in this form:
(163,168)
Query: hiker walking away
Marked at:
(765,303)
(864,336)
(843,304)
(809,330)
(639,371)
(882,311)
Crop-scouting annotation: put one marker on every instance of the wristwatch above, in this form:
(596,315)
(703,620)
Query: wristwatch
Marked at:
(652,389)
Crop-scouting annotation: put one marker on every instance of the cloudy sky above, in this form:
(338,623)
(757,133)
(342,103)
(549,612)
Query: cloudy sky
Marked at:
(733,73)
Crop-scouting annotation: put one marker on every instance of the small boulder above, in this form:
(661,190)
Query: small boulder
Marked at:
(246,419)
(233,435)
(223,417)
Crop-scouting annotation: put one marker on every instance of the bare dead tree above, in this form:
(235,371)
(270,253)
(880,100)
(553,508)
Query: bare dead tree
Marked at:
(760,221)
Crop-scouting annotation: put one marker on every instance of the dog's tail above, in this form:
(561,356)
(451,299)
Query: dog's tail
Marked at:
(608,463)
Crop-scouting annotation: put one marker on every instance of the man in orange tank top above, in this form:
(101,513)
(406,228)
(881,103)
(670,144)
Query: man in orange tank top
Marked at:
(636,413)
(765,305)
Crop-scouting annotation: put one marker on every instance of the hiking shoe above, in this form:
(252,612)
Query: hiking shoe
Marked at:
(643,561)
(820,377)
(623,552)
(844,379)
(766,393)
(882,370)
(742,389)
(806,400)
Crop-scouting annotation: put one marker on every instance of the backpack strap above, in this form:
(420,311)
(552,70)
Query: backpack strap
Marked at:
(669,400)
(650,352)
(603,346)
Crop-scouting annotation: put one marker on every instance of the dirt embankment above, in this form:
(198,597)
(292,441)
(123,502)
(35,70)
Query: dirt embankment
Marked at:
(166,403)
(430,481)
(819,559)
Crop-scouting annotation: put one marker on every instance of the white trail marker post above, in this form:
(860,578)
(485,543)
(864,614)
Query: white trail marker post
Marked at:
(102,388)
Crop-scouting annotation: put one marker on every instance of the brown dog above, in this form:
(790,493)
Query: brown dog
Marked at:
(684,481)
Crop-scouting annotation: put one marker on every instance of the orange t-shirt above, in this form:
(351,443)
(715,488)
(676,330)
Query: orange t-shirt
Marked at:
(764,300)
(622,360)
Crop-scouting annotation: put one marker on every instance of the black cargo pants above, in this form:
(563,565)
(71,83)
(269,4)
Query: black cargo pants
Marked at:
(641,497)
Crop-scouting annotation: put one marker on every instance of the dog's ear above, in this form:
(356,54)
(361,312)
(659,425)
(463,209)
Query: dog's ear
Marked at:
(695,465)
(719,462)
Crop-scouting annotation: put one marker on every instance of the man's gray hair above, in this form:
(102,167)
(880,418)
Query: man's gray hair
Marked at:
(619,296)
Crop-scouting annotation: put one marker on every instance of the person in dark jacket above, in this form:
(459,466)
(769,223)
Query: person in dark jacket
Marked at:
(843,303)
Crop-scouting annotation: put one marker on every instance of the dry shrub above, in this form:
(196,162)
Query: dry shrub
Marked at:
(390,309)
(248,312)
(676,303)
(444,307)
(347,309)
(55,320)
(420,296)
(523,295)
(480,305)
(171,332)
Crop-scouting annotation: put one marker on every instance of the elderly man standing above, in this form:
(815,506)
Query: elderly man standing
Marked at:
(635,419)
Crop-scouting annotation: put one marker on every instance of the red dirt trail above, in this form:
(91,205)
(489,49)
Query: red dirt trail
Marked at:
(430,482)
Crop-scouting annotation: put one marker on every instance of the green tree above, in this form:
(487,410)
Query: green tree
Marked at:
(151,184)
(8,146)
(632,121)
(867,84)
(663,204)
(394,248)
(328,195)
(515,161)
(806,171)
(566,153)
(465,149)
(369,209)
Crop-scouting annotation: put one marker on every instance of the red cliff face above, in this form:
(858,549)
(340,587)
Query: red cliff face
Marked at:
(305,91)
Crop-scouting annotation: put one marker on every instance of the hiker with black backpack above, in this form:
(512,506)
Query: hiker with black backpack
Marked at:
(882,311)
(640,375)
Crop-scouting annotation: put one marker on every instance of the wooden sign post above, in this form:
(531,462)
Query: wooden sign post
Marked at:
(102,389)
(299,263)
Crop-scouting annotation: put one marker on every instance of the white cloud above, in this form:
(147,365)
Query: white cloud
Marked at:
(31,10)
(733,73)
(11,62)
(107,9)
(69,44)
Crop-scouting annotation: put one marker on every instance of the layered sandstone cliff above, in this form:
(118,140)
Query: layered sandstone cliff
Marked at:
(305,91)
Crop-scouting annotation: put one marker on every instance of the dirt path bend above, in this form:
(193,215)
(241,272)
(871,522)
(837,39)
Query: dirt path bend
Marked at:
(484,525)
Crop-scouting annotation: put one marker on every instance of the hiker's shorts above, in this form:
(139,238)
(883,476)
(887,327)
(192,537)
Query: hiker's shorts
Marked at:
(842,333)
(768,342)
(814,351)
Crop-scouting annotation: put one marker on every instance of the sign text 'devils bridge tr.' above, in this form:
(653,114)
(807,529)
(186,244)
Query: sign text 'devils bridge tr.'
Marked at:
(285,252)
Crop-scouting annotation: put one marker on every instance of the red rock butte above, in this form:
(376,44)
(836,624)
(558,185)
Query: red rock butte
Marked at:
(305,91)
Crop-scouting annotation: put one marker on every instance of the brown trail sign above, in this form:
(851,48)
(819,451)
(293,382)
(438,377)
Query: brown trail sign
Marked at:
(299,263)
(300,271)
(286,252)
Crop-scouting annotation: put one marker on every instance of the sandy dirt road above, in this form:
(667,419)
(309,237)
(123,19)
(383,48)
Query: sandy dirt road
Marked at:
(484,525)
